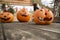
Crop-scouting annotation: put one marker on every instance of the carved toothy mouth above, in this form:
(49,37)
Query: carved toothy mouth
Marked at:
(24,15)
(44,19)
(5,19)
(47,19)
(40,18)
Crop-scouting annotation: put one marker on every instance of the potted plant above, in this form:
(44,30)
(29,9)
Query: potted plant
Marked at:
(7,7)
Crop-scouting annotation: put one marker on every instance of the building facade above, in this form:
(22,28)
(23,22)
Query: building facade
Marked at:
(18,2)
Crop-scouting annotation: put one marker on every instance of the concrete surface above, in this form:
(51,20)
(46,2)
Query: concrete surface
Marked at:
(1,35)
(31,31)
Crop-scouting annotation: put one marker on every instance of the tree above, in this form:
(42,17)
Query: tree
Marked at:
(40,3)
(37,1)
(56,7)
(59,11)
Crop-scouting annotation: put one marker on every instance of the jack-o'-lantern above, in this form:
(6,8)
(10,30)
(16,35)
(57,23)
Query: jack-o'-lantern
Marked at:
(6,17)
(0,17)
(23,15)
(43,16)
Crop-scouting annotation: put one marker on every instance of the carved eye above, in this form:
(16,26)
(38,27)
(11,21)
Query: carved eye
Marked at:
(45,13)
(40,10)
(1,14)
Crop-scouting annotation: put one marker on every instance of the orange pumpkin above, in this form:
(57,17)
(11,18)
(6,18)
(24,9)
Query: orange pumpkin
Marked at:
(43,16)
(23,15)
(0,17)
(6,17)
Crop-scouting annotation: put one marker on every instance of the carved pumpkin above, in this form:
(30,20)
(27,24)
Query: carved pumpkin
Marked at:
(0,17)
(6,17)
(43,16)
(23,15)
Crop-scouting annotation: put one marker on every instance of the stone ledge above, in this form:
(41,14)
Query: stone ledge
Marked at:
(41,32)
(1,35)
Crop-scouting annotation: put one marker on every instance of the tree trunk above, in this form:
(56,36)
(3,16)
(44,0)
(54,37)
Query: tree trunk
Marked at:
(56,7)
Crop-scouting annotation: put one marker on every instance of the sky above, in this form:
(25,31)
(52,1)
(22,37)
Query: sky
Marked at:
(47,3)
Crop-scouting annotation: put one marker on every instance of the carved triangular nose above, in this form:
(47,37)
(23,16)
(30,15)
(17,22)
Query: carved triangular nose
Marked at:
(4,16)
